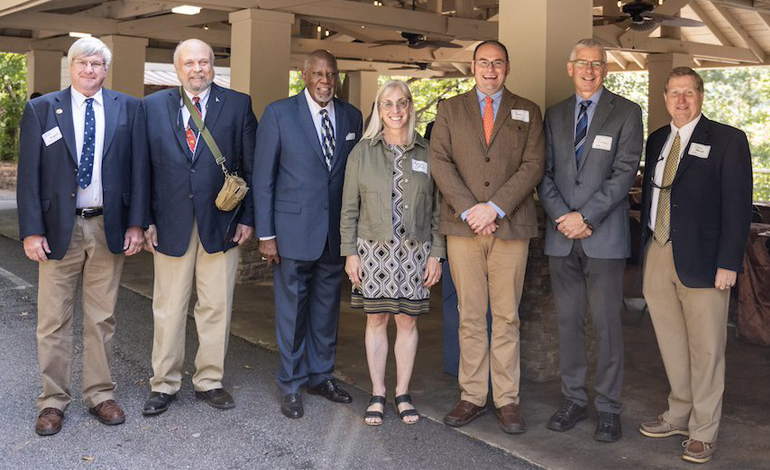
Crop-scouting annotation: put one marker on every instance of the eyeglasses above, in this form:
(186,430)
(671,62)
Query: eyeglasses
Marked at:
(388,105)
(583,64)
(320,75)
(95,65)
(665,187)
(484,63)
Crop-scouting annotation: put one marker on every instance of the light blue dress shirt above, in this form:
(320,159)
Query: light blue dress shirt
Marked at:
(591,109)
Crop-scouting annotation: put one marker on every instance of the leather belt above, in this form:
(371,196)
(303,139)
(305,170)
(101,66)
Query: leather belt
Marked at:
(89,212)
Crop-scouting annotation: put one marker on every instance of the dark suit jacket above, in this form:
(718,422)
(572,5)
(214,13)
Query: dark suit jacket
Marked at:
(184,188)
(710,202)
(297,198)
(46,186)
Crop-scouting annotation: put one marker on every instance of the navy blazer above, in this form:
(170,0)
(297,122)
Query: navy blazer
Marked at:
(297,198)
(47,187)
(710,202)
(184,187)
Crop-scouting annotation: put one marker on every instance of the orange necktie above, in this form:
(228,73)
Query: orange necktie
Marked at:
(489,119)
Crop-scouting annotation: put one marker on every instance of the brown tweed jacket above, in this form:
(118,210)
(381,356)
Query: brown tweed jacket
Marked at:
(468,172)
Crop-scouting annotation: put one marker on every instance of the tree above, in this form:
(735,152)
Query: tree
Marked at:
(13,95)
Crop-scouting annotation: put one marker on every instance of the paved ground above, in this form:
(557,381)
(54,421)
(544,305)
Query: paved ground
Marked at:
(192,434)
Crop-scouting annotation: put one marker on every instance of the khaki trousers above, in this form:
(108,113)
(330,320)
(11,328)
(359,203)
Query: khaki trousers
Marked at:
(214,275)
(691,327)
(89,256)
(486,272)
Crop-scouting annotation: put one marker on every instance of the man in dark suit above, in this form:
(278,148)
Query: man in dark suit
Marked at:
(302,147)
(82,191)
(191,238)
(593,146)
(696,212)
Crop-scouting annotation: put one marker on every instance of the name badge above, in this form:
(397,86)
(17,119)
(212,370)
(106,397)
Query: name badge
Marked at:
(520,115)
(52,136)
(418,165)
(700,150)
(602,142)
(351,136)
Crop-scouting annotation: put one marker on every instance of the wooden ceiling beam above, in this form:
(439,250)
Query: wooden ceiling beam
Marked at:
(671,7)
(704,17)
(750,43)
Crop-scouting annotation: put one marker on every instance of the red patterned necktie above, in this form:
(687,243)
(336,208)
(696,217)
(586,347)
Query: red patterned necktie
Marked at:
(191,136)
(489,119)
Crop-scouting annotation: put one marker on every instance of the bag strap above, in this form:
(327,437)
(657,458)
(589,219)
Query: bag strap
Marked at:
(204,131)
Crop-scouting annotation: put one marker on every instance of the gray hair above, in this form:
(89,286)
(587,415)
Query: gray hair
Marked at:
(85,47)
(376,128)
(181,43)
(588,43)
(319,54)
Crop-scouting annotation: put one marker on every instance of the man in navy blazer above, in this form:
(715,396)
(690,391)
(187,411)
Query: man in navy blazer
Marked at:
(191,238)
(302,148)
(82,191)
(696,213)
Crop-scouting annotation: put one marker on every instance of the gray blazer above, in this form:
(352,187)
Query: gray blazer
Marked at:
(597,187)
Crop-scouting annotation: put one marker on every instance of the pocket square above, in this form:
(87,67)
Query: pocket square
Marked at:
(351,136)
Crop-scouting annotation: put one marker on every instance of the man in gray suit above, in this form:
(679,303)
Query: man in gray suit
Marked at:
(593,147)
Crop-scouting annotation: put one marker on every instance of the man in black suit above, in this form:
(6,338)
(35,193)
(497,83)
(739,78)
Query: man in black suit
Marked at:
(82,192)
(192,240)
(696,211)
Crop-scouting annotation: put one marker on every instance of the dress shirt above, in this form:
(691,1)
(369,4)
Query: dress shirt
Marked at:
(590,111)
(91,196)
(203,99)
(685,132)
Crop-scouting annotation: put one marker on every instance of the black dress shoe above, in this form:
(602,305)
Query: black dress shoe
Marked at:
(157,403)
(608,427)
(291,407)
(218,398)
(567,416)
(331,391)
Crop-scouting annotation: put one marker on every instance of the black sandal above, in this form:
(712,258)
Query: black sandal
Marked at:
(405,398)
(375,400)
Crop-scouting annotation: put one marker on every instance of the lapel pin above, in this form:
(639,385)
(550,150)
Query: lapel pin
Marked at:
(59,111)
(216,98)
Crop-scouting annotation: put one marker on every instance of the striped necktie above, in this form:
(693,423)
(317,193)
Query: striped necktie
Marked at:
(662,230)
(327,135)
(581,130)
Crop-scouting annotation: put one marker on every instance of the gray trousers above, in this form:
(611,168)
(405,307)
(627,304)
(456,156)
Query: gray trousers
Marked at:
(579,283)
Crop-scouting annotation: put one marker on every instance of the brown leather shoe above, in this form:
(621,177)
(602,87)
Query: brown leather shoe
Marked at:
(108,412)
(510,419)
(463,413)
(49,422)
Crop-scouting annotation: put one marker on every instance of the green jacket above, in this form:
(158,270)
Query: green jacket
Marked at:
(366,196)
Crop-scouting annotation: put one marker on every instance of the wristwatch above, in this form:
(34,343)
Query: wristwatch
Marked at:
(587,222)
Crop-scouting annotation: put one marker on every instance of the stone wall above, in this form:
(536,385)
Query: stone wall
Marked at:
(7,175)
(251,269)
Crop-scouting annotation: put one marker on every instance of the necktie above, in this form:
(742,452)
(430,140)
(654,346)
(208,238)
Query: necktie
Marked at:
(663,215)
(327,134)
(581,130)
(191,127)
(86,167)
(489,119)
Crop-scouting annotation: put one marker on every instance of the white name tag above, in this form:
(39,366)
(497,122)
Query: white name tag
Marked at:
(700,150)
(602,142)
(351,136)
(52,136)
(420,166)
(520,115)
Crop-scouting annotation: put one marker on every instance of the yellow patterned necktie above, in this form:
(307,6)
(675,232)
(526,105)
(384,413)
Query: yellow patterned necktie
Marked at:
(663,215)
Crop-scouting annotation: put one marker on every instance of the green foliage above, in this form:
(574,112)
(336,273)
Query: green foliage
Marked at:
(632,86)
(13,96)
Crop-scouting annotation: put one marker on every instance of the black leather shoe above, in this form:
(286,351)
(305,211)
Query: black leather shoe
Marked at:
(567,416)
(157,403)
(608,427)
(331,391)
(218,398)
(291,407)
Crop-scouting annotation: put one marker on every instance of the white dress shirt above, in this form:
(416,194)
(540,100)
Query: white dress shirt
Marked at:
(92,195)
(203,99)
(685,132)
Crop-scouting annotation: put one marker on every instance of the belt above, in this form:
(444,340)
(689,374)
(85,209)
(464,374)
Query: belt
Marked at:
(88,212)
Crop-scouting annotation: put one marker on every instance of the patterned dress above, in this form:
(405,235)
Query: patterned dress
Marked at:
(393,270)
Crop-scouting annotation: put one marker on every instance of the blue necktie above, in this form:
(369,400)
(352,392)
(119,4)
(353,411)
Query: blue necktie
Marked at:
(86,167)
(581,130)
(327,134)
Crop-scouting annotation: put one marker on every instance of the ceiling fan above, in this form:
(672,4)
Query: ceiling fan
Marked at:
(643,18)
(416,66)
(417,41)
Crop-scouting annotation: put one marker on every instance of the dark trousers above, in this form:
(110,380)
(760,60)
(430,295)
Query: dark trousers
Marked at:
(307,308)
(583,283)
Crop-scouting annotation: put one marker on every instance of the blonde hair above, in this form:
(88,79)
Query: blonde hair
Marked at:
(376,128)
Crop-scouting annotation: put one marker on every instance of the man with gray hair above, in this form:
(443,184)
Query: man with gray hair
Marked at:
(191,238)
(593,147)
(82,194)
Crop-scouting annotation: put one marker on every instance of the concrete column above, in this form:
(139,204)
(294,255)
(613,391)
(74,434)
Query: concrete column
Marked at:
(43,71)
(126,73)
(609,7)
(659,65)
(362,90)
(260,58)
(539,35)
